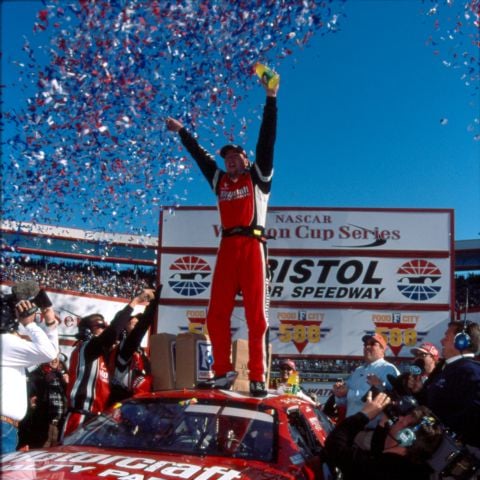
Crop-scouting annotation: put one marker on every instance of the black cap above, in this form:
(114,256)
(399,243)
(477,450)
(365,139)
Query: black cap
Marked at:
(236,148)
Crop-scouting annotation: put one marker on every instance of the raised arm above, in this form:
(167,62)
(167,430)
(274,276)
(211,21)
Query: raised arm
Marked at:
(97,345)
(268,132)
(204,160)
(43,346)
(134,338)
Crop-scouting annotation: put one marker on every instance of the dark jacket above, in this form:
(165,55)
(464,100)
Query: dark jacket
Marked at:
(453,395)
(355,463)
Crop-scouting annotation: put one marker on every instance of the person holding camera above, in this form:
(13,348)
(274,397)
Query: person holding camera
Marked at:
(18,353)
(408,443)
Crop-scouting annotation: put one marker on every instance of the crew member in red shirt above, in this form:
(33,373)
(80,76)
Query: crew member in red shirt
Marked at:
(242,191)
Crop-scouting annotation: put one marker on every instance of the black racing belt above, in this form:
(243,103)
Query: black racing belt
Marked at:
(251,231)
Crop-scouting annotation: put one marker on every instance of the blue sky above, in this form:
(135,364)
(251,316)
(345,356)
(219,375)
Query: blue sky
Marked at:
(372,115)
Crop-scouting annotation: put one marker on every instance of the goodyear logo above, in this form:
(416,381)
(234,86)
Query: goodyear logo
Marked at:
(417,279)
(189,275)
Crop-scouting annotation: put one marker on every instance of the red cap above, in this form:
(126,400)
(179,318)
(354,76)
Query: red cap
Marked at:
(377,337)
(288,363)
(428,348)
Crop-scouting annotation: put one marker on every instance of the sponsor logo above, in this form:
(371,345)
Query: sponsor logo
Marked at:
(300,328)
(204,360)
(101,465)
(417,278)
(189,275)
(197,323)
(399,330)
(335,279)
(229,195)
(70,321)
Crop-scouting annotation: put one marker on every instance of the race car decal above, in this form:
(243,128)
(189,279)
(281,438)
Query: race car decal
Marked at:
(68,462)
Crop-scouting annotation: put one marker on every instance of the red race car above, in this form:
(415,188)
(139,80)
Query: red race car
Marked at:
(190,435)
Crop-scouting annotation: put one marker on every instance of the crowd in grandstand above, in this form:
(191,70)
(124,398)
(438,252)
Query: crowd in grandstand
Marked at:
(84,277)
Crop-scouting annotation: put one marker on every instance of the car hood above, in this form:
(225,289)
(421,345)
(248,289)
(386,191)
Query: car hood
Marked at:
(74,462)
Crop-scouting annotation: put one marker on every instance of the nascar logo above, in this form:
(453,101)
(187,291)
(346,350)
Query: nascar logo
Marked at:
(417,278)
(189,275)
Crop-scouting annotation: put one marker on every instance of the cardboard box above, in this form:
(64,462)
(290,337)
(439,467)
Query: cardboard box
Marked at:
(162,359)
(193,359)
(240,365)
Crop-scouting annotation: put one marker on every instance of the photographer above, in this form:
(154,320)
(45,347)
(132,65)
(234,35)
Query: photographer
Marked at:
(18,312)
(407,444)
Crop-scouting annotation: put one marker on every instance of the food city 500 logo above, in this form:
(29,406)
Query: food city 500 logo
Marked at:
(399,330)
(300,328)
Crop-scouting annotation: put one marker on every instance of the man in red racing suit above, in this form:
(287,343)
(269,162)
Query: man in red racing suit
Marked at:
(242,194)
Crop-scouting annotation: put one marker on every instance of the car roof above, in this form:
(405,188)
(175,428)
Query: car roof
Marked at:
(275,401)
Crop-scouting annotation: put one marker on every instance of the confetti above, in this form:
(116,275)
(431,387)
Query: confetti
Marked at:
(456,41)
(90,145)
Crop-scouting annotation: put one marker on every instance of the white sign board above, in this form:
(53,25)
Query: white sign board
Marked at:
(326,229)
(337,274)
(309,278)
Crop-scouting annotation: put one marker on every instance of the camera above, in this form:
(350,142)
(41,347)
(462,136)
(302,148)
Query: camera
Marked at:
(8,319)
(27,290)
(400,406)
(454,460)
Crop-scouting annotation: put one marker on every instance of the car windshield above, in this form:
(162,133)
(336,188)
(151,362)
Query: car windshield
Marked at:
(182,426)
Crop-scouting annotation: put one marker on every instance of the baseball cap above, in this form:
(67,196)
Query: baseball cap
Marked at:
(428,348)
(288,363)
(236,148)
(376,337)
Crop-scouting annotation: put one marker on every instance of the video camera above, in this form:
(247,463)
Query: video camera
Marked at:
(452,459)
(400,405)
(27,290)
(455,460)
